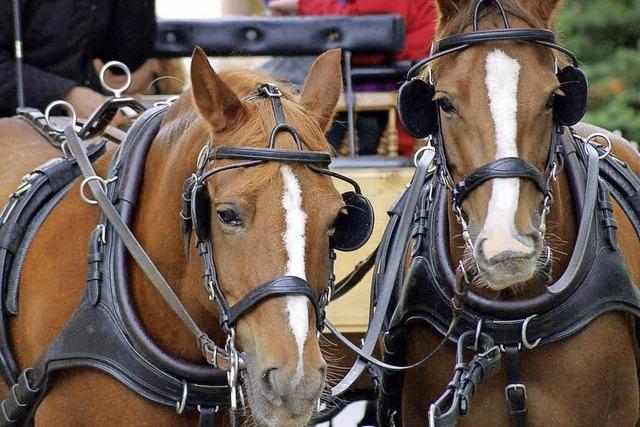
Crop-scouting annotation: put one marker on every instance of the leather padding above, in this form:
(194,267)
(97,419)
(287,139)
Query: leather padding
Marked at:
(353,228)
(570,108)
(417,109)
(201,212)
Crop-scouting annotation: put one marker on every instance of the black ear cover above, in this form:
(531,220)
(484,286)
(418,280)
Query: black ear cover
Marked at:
(353,228)
(570,108)
(201,213)
(417,110)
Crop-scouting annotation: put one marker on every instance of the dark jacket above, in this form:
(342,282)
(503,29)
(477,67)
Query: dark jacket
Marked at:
(62,37)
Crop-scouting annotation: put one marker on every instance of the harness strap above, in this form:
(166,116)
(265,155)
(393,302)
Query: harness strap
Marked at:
(515,391)
(280,286)
(129,240)
(388,280)
(207,417)
(358,273)
(506,167)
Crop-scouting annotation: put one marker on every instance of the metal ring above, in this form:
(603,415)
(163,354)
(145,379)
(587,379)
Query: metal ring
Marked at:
(103,181)
(183,402)
(65,106)
(420,152)
(523,334)
(607,150)
(117,92)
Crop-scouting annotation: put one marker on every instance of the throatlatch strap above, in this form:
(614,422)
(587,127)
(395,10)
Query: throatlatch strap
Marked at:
(516,392)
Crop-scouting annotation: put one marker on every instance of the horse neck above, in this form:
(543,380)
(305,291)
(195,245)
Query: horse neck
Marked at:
(561,235)
(171,159)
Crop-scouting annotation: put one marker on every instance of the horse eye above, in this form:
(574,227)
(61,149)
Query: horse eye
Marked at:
(447,105)
(229,217)
(550,102)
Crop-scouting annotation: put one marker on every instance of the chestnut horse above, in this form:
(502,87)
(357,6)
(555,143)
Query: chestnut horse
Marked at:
(271,219)
(496,100)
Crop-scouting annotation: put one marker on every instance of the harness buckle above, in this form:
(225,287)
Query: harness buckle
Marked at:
(270,90)
(515,387)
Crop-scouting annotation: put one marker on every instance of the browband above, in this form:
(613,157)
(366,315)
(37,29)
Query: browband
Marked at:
(266,154)
(458,42)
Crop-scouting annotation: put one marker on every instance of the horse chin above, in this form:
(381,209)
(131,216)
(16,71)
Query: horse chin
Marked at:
(507,273)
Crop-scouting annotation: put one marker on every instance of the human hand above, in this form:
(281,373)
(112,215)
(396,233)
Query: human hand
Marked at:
(284,7)
(141,78)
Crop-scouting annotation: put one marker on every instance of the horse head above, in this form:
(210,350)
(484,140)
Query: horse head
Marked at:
(496,106)
(271,220)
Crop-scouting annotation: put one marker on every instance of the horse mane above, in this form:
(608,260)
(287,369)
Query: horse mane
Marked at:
(459,22)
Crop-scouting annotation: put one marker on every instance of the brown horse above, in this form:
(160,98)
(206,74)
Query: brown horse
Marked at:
(495,101)
(282,219)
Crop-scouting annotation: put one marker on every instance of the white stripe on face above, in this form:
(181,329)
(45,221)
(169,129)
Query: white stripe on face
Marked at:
(502,87)
(294,242)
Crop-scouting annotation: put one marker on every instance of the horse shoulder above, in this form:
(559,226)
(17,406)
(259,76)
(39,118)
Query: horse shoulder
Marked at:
(21,150)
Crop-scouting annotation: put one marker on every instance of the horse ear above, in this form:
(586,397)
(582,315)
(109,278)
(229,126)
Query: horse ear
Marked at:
(447,9)
(323,87)
(543,10)
(215,100)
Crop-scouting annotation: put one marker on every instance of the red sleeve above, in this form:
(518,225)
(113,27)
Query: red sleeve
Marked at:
(419,17)
(349,7)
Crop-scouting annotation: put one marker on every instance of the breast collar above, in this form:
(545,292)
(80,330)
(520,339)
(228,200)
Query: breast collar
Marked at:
(558,314)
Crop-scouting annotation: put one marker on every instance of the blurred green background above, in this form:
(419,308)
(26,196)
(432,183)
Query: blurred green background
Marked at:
(605,36)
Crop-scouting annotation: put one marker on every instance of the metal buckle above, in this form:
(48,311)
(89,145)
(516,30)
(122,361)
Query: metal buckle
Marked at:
(515,387)
(266,89)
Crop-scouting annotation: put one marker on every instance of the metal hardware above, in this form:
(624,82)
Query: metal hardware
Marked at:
(607,149)
(183,402)
(65,106)
(203,156)
(515,387)
(432,415)
(477,337)
(266,89)
(523,337)
(100,179)
(117,92)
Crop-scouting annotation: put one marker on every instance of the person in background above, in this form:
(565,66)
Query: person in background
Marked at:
(420,21)
(65,44)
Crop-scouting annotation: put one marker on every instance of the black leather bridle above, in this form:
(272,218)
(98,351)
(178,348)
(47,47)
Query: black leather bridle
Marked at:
(196,217)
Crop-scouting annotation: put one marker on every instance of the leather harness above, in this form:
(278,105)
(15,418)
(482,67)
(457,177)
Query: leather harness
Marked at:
(104,332)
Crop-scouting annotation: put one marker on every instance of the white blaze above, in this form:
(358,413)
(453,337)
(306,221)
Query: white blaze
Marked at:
(294,242)
(502,87)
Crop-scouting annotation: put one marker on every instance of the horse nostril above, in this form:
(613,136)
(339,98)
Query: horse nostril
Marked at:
(269,387)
